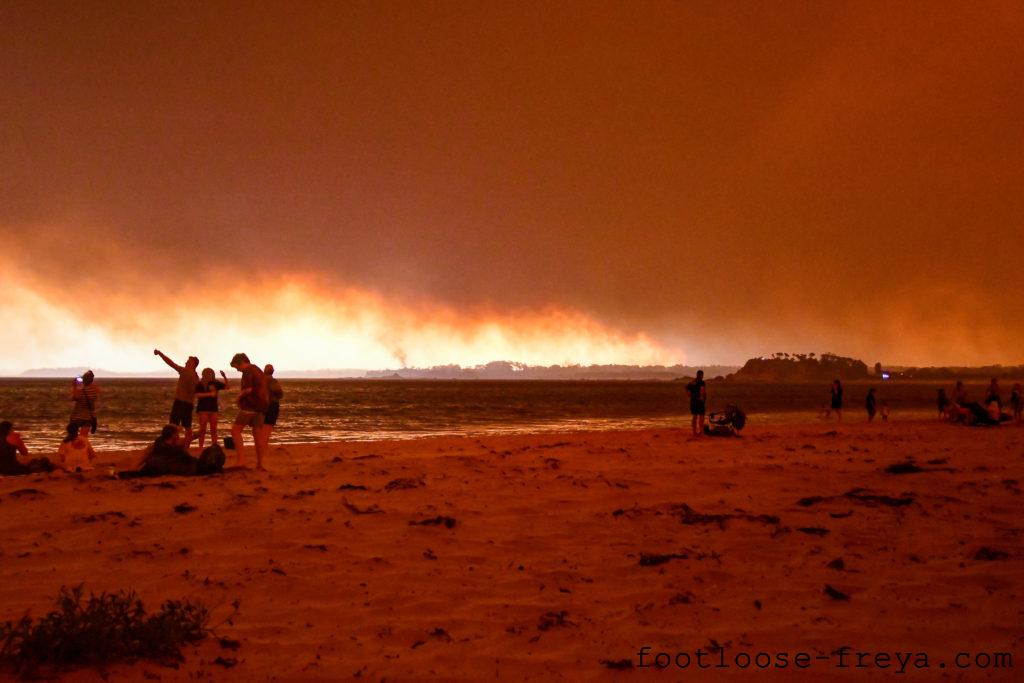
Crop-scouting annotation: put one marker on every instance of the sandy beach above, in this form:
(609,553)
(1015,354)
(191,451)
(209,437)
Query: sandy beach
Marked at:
(556,556)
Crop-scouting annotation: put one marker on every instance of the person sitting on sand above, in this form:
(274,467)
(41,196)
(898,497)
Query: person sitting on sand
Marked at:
(84,393)
(836,403)
(184,392)
(869,404)
(275,393)
(1016,403)
(207,405)
(960,394)
(167,455)
(697,389)
(943,403)
(993,394)
(958,410)
(75,452)
(253,401)
(11,445)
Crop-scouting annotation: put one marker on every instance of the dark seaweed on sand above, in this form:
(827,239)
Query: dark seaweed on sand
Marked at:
(101,630)
(447,522)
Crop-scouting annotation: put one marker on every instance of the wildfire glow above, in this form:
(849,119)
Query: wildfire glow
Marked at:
(298,324)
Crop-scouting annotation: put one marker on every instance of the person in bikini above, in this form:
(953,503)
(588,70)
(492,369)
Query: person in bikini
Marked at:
(207,405)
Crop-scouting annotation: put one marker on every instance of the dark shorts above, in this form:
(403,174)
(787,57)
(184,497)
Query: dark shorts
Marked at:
(181,414)
(697,408)
(837,405)
(270,417)
(207,405)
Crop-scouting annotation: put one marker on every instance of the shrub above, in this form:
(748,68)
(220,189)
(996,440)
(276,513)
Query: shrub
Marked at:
(105,628)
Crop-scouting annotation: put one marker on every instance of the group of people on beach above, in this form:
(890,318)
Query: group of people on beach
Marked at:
(960,408)
(259,405)
(871,404)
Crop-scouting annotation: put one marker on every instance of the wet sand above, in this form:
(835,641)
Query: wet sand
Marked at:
(555,555)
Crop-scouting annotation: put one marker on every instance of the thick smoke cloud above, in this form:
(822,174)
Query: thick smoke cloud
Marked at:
(725,180)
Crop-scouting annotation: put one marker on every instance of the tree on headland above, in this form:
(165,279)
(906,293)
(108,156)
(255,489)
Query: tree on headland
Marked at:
(800,367)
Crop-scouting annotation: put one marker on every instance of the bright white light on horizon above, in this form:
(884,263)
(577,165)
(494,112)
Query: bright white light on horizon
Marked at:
(302,327)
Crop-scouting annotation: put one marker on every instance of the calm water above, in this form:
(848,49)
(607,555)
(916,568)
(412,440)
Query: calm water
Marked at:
(131,411)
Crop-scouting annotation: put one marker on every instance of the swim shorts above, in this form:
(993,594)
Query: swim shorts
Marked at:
(181,414)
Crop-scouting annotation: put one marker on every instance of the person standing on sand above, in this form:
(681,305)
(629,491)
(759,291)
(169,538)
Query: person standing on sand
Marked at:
(697,389)
(837,401)
(84,393)
(275,393)
(184,393)
(253,401)
(1016,403)
(870,404)
(207,405)
(943,403)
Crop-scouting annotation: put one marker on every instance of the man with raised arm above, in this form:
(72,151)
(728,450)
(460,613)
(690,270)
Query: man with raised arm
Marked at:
(184,393)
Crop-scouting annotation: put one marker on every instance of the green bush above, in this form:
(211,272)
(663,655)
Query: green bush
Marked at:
(106,628)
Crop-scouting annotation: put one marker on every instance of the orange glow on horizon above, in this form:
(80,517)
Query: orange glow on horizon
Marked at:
(298,324)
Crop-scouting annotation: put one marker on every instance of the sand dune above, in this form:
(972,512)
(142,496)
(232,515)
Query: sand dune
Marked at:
(555,556)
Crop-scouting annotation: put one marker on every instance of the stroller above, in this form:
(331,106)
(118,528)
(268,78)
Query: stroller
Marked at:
(728,422)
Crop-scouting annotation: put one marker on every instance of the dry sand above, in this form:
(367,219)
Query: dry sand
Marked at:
(568,553)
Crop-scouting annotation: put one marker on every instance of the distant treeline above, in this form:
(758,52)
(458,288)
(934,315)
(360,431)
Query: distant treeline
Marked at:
(513,370)
(984,372)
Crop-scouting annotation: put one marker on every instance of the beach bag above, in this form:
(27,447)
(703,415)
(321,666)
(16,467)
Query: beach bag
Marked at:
(211,460)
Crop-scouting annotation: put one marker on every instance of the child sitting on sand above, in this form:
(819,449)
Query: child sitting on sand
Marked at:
(76,453)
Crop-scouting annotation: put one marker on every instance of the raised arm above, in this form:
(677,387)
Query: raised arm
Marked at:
(227,384)
(158,352)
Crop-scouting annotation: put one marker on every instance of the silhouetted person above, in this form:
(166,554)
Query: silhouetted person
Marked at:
(869,404)
(993,394)
(184,393)
(11,445)
(207,405)
(943,404)
(253,401)
(275,393)
(85,393)
(1016,403)
(837,401)
(168,455)
(697,389)
(960,394)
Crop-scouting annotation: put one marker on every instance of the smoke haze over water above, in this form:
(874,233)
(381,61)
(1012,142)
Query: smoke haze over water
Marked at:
(362,185)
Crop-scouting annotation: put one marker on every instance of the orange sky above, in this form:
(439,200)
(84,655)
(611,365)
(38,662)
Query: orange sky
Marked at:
(590,182)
